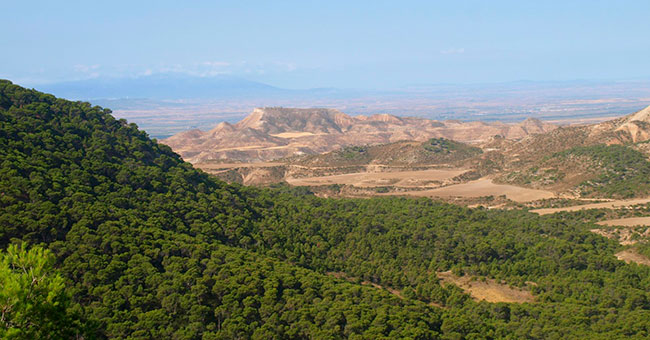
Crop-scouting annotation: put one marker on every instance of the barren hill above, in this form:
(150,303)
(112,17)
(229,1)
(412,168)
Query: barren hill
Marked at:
(271,133)
(606,159)
(632,128)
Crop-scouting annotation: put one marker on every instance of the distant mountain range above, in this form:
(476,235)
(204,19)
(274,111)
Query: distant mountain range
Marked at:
(161,86)
(166,104)
(182,86)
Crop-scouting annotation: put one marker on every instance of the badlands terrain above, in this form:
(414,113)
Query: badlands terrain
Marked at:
(337,154)
(601,169)
(379,154)
(272,133)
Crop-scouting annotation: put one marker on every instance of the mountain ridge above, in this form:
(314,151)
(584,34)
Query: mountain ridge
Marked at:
(569,161)
(318,130)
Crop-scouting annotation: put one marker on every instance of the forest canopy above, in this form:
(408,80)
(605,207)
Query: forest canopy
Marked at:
(150,247)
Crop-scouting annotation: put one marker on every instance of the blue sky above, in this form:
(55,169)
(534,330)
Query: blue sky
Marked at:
(345,44)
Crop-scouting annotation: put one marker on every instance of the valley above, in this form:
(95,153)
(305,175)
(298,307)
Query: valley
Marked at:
(420,170)
(545,168)
(336,154)
(468,163)
(396,178)
(145,244)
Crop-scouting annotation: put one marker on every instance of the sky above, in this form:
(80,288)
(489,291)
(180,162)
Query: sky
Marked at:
(313,44)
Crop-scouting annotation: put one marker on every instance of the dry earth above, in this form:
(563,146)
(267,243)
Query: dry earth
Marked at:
(293,134)
(627,232)
(440,182)
(629,255)
(615,204)
(223,166)
(273,132)
(485,187)
(423,178)
(625,235)
(490,290)
(627,222)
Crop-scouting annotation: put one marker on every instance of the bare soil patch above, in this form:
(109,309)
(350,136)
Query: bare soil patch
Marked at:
(490,290)
(419,178)
(627,222)
(224,166)
(625,236)
(485,187)
(629,255)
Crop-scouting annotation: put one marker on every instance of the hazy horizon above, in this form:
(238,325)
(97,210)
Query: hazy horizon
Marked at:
(333,44)
(194,66)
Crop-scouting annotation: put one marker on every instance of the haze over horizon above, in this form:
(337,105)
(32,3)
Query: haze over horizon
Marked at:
(301,45)
(325,169)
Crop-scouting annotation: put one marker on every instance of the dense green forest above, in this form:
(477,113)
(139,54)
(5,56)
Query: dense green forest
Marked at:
(150,247)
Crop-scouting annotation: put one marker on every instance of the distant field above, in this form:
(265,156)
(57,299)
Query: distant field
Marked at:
(512,103)
(422,178)
(490,290)
(603,205)
(485,187)
(430,179)
(292,134)
(214,165)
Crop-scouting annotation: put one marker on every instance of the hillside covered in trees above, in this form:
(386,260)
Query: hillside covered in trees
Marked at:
(150,247)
